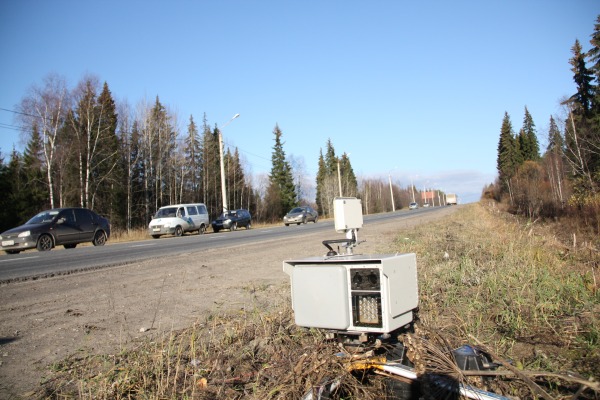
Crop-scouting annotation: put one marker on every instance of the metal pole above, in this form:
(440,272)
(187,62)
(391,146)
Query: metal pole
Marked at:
(223,190)
(392,193)
(339,177)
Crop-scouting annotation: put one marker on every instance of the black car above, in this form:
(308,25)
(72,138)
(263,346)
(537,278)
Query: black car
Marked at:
(232,220)
(59,226)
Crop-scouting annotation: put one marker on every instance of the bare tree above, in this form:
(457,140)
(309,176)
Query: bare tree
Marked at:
(304,186)
(127,129)
(46,107)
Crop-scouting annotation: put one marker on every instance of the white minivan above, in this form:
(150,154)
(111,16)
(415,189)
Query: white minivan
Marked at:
(179,218)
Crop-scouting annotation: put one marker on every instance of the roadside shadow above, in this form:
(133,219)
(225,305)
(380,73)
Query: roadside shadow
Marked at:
(7,340)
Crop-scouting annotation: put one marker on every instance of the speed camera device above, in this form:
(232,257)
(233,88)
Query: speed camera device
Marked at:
(353,293)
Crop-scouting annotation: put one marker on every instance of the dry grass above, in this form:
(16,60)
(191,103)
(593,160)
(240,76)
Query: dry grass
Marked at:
(252,354)
(514,286)
(131,235)
(483,276)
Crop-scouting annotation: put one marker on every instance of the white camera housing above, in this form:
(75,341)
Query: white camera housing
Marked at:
(353,293)
(347,213)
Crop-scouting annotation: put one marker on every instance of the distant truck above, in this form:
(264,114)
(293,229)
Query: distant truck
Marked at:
(451,199)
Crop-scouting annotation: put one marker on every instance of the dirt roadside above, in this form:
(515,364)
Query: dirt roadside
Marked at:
(103,311)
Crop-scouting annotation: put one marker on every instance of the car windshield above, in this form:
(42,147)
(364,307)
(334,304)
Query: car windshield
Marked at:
(44,216)
(166,212)
(228,215)
(296,210)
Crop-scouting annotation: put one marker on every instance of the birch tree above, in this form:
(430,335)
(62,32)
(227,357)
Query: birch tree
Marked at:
(46,107)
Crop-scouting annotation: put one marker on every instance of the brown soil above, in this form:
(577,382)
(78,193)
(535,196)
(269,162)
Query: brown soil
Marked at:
(103,311)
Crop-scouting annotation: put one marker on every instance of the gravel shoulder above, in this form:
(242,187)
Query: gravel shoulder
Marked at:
(103,311)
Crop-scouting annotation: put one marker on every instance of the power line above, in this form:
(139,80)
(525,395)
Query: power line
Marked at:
(13,127)
(18,112)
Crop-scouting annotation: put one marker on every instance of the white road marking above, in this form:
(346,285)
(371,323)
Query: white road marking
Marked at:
(21,259)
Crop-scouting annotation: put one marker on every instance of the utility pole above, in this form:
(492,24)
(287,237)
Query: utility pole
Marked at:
(392,193)
(223,190)
(339,177)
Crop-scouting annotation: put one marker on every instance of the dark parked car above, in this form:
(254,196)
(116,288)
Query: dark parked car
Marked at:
(301,215)
(59,226)
(232,220)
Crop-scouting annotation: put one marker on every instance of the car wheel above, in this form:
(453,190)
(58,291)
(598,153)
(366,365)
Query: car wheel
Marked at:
(70,246)
(155,236)
(12,251)
(202,230)
(316,218)
(249,225)
(234,226)
(99,239)
(44,243)
(178,231)
(216,230)
(287,224)
(304,220)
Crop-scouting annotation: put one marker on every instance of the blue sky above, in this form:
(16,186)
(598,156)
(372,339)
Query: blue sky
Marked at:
(416,90)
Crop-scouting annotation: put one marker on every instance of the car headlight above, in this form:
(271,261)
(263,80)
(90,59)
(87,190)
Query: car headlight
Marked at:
(227,221)
(24,234)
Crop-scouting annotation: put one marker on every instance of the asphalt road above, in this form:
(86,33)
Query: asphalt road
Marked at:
(34,265)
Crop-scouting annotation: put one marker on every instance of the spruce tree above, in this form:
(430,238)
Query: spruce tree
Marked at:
(163,138)
(583,78)
(11,182)
(594,57)
(193,163)
(531,149)
(108,196)
(555,139)
(522,147)
(582,132)
(330,159)
(320,181)
(211,177)
(508,159)
(281,180)
(35,190)
(349,182)
(6,208)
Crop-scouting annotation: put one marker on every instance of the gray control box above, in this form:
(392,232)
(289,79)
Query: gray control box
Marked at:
(354,293)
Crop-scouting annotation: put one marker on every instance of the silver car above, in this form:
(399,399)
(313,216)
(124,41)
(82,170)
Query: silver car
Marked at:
(301,215)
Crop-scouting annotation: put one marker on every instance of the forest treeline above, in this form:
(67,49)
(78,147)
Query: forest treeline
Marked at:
(565,179)
(84,149)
